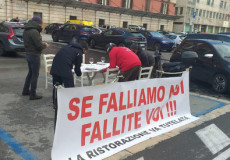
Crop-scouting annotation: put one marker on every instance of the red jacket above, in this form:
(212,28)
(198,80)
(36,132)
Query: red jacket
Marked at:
(124,58)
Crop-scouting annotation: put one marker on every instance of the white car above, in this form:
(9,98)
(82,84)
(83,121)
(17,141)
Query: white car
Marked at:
(176,38)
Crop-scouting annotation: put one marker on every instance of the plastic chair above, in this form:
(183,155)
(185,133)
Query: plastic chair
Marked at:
(145,73)
(48,60)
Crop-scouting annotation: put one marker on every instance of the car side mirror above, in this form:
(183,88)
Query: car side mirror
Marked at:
(208,55)
(189,57)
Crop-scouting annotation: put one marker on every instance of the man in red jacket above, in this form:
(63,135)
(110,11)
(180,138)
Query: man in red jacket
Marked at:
(127,61)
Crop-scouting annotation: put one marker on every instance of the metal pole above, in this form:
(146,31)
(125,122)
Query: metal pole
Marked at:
(192,19)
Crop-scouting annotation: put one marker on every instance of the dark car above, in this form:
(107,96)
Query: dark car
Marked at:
(53,26)
(155,40)
(119,36)
(19,20)
(220,37)
(11,39)
(213,63)
(225,33)
(70,31)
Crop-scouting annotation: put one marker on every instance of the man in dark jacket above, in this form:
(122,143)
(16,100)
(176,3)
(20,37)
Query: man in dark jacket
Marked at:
(64,60)
(33,46)
(147,59)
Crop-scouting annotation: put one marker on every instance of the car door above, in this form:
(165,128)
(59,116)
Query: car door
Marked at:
(67,33)
(105,38)
(3,34)
(116,37)
(148,37)
(204,67)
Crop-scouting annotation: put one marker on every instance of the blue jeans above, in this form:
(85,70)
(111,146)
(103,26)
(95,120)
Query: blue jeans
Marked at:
(32,76)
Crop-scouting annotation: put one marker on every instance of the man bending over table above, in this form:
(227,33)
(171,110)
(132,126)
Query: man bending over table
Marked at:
(127,61)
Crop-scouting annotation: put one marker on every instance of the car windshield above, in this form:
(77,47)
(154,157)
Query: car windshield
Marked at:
(223,49)
(18,31)
(156,34)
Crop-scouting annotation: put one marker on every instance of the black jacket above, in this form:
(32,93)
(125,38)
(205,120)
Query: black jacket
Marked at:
(147,59)
(32,38)
(64,60)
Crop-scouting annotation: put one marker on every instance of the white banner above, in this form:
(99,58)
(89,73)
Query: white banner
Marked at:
(98,121)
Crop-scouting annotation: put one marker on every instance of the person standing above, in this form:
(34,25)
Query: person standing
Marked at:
(127,61)
(33,47)
(68,56)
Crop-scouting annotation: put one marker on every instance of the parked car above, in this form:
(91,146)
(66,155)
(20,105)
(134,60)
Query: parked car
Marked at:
(119,36)
(225,33)
(53,26)
(97,30)
(155,40)
(135,27)
(106,26)
(11,39)
(220,37)
(177,39)
(19,20)
(213,63)
(70,31)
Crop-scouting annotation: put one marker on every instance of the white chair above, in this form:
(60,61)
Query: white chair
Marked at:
(111,75)
(48,60)
(145,72)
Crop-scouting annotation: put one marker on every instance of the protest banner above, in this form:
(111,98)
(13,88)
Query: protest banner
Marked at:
(97,121)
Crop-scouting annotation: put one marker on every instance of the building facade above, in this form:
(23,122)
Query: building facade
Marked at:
(210,16)
(152,14)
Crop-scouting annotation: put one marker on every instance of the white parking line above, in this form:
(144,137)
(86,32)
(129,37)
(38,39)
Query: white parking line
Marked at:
(223,156)
(214,139)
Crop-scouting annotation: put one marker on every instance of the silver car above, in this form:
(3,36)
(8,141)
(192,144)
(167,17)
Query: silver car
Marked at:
(177,38)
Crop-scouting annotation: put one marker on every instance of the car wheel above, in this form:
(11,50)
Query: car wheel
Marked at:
(55,37)
(219,83)
(2,50)
(121,45)
(92,43)
(157,46)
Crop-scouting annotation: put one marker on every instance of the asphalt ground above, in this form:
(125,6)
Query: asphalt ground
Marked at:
(27,127)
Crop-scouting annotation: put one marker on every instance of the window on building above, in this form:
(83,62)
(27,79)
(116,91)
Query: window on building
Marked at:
(212,3)
(225,4)
(145,25)
(192,10)
(217,15)
(204,12)
(162,27)
(197,1)
(210,15)
(208,2)
(101,22)
(214,14)
(103,2)
(39,14)
(181,10)
(125,24)
(176,10)
(220,16)
(207,15)
(200,13)
(164,8)
(221,4)
(72,17)
(127,3)
(147,4)
(188,11)
(223,16)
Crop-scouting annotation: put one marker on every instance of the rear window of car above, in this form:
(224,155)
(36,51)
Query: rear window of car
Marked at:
(156,34)
(87,29)
(136,34)
(18,31)
(182,37)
